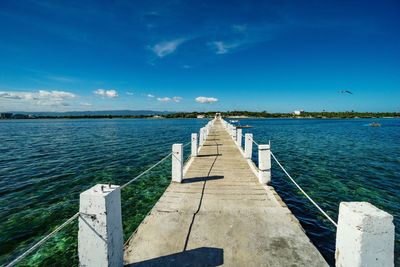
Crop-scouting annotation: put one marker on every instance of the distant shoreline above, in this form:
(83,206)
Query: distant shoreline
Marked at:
(148,114)
(168,117)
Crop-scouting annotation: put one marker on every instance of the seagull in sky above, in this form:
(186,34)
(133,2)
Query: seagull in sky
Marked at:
(345,92)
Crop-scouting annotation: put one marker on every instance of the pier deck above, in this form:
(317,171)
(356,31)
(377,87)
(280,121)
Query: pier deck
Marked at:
(220,215)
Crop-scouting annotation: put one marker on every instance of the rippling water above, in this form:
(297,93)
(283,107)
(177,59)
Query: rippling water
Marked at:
(334,161)
(45,164)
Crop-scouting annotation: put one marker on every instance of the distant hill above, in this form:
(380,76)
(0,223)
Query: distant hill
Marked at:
(95,113)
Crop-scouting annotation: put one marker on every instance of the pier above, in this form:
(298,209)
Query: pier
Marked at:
(220,214)
(220,210)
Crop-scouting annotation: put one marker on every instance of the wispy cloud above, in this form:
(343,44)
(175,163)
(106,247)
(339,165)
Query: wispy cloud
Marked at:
(204,99)
(106,93)
(239,28)
(165,48)
(129,93)
(176,99)
(150,96)
(62,79)
(85,104)
(222,47)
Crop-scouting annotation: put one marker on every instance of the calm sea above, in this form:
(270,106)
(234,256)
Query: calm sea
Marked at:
(45,164)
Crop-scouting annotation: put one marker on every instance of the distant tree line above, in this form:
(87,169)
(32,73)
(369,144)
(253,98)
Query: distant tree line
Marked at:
(349,114)
(211,114)
(264,114)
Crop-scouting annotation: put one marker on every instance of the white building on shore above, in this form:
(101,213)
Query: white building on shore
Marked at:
(298,112)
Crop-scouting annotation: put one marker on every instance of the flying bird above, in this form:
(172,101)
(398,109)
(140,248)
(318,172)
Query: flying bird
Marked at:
(345,92)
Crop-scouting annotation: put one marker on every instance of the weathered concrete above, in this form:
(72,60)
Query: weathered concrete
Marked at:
(177,162)
(264,164)
(365,236)
(100,240)
(239,137)
(194,145)
(220,215)
(248,145)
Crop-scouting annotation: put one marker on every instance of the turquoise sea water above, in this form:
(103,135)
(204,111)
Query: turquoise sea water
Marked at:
(45,164)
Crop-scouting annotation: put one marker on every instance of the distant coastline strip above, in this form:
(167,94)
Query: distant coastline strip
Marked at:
(309,198)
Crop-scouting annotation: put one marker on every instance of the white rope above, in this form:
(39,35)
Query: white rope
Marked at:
(255,142)
(149,169)
(44,239)
(26,253)
(309,198)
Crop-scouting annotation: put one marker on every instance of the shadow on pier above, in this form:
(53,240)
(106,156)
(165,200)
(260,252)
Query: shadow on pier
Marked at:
(204,256)
(202,179)
(209,155)
(214,145)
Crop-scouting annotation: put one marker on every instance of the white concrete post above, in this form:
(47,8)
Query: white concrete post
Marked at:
(248,145)
(239,137)
(194,144)
(264,164)
(364,236)
(100,237)
(177,163)
(234,133)
(201,137)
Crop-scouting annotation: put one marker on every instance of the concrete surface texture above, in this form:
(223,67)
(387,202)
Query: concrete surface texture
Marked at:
(220,215)
(365,236)
(100,240)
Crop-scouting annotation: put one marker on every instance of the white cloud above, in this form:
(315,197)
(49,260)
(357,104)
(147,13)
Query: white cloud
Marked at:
(41,97)
(11,95)
(150,95)
(106,93)
(165,48)
(186,66)
(164,99)
(56,94)
(175,99)
(203,99)
(223,48)
(129,93)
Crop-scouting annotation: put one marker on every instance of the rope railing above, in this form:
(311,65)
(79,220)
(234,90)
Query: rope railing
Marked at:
(255,142)
(41,241)
(305,194)
(149,169)
(76,215)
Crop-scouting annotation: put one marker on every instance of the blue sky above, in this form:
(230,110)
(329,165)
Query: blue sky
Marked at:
(276,56)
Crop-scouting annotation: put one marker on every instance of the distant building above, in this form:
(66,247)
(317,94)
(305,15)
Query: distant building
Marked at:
(6,115)
(200,116)
(298,112)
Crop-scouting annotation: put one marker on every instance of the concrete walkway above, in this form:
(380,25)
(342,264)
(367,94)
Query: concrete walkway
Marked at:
(220,215)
